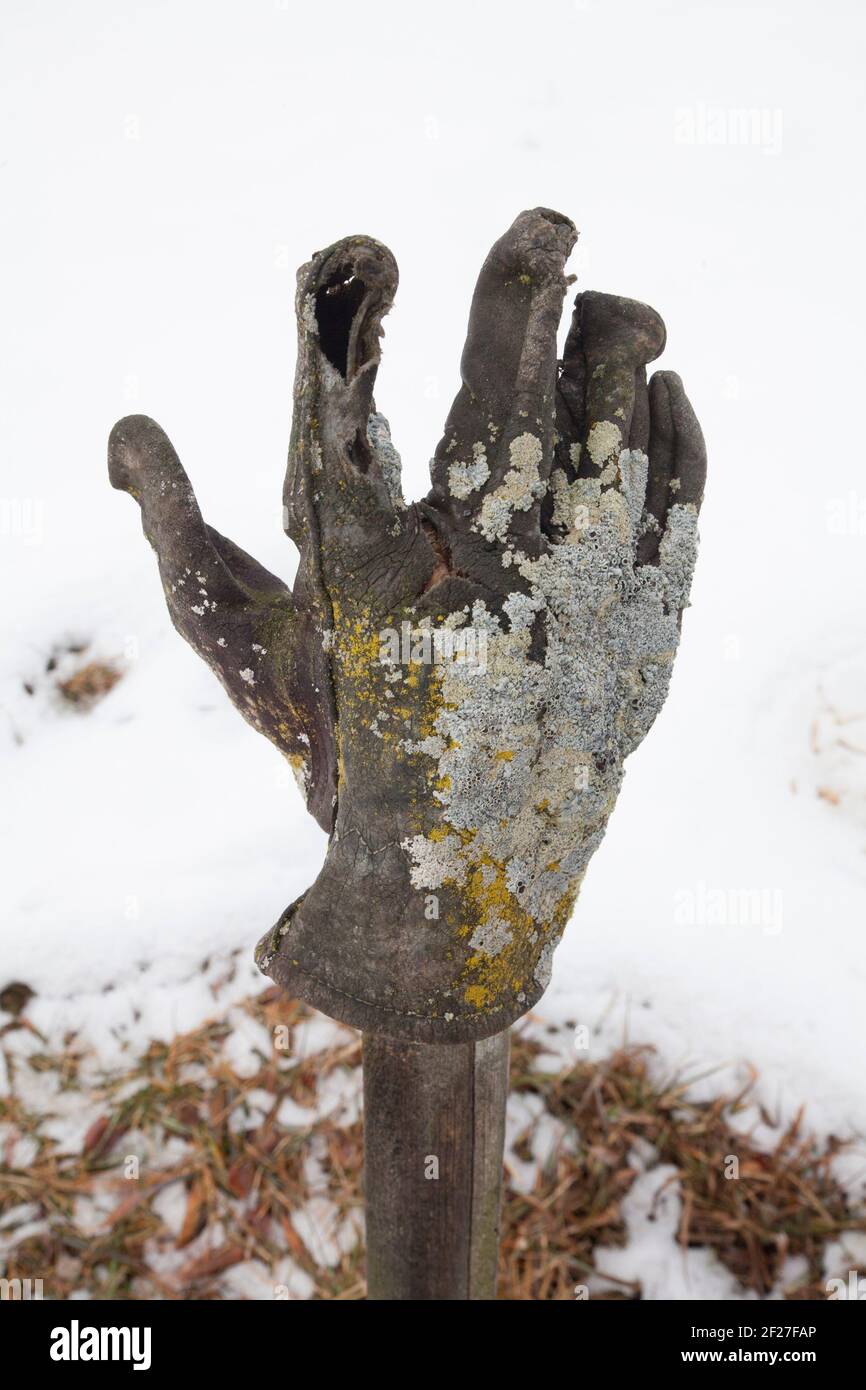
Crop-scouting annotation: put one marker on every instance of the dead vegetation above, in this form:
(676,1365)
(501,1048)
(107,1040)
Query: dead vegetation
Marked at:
(784,1203)
(184,1119)
(89,684)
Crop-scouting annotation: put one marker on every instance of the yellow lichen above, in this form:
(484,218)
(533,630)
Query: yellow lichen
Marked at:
(477,996)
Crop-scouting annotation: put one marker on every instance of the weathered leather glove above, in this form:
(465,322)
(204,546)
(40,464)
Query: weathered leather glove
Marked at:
(456,682)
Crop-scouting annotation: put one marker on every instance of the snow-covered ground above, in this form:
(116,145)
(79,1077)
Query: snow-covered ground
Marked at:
(164,168)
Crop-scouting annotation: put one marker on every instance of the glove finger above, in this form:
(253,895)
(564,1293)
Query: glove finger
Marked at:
(143,462)
(617,338)
(490,469)
(677,461)
(678,545)
(342,491)
(228,607)
(661,462)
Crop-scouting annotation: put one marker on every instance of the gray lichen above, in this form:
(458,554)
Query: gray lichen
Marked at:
(379,435)
(520,487)
(466,478)
(532,753)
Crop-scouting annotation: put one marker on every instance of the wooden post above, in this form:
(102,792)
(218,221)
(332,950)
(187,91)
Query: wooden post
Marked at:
(434,1132)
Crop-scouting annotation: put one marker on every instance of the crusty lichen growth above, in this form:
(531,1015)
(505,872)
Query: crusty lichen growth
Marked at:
(529,754)
(520,487)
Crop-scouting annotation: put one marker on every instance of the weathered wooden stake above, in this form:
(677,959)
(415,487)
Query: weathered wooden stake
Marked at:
(434,1131)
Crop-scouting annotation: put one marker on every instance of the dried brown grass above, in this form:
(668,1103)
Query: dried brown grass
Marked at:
(248,1184)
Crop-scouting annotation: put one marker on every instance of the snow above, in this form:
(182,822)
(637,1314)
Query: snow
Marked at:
(652,1256)
(526,1118)
(162,174)
(253,1279)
